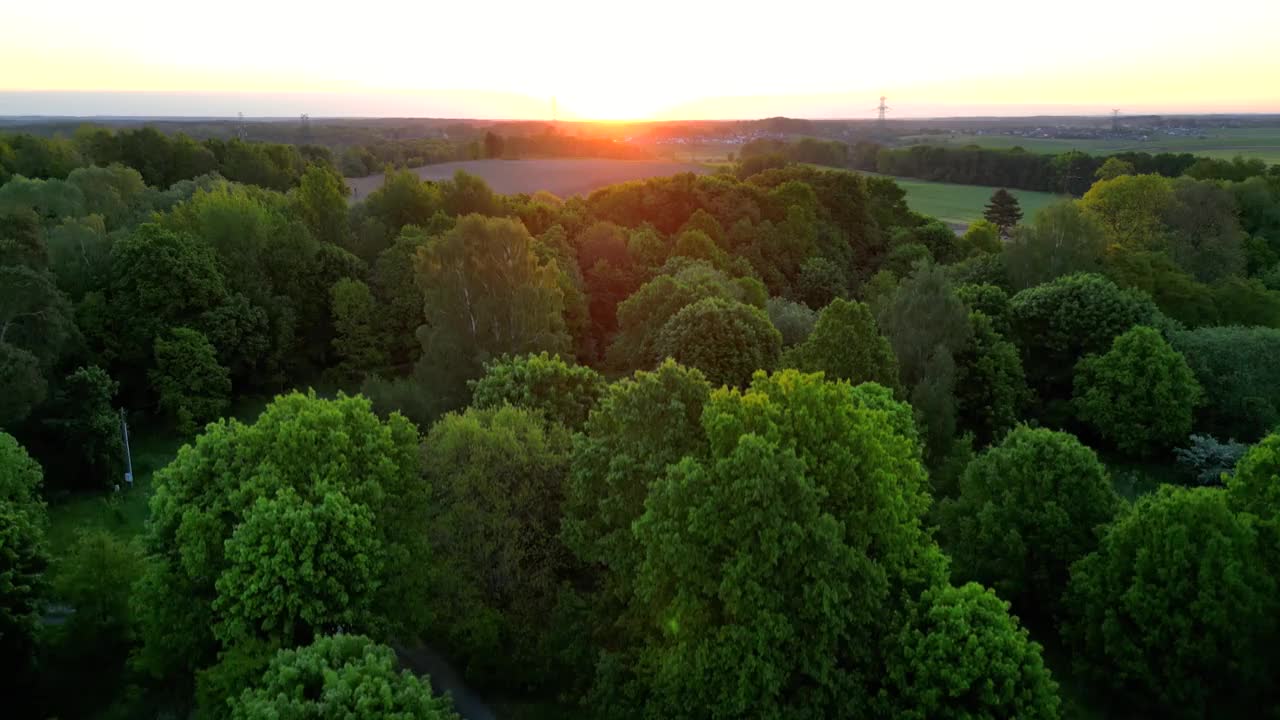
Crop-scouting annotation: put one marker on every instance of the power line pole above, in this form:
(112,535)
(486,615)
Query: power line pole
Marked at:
(128,455)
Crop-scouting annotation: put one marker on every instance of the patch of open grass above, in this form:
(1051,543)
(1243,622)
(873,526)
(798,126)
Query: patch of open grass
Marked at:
(124,513)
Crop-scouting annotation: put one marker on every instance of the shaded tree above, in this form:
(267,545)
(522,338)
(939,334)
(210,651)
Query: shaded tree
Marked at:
(1139,395)
(846,344)
(1027,509)
(726,340)
(191,387)
(562,392)
(1202,642)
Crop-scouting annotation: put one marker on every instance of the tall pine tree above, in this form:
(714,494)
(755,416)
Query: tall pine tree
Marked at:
(1003,211)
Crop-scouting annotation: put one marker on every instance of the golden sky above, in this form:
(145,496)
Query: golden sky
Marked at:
(658,59)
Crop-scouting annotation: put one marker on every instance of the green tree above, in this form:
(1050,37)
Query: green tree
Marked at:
(83,418)
(739,547)
(991,387)
(23,561)
(191,386)
(1062,239)
(1241,380)
(982,236)
(927,324)
(562,392)
(159,280)
(498,478)
(820,282)
(642,424)
(846,344)
(90,651)
(468,194)
(358,341)
(726,340)
(1027,509)
(642,316)
(1003,211)
(1131,209)
(962,655)
(1056,324)
(23,384)
(271,533)
(339,677)
(1203,643)
(794,320)
(1140,395)
(486,294)
(1254,487)
(990,300)
(1114,167)
(320,201)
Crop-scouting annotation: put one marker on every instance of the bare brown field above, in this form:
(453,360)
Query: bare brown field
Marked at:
(564,177)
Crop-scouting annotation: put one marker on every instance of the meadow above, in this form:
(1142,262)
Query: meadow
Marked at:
(561,177)
(1226,143)
(958,205)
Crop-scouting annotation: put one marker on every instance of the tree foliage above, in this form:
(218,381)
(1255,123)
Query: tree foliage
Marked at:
(23,560)
(1140,395)
(562,392)
(1178,645)
(1027,509)
(726,340)
(846,344)
(275,532)
(347,677)
(768,567)
(191,386)
(498,478)
(961,655)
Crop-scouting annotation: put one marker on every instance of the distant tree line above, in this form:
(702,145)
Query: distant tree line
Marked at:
(160,159)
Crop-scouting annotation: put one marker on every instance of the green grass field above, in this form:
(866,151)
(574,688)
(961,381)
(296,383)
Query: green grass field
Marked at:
(1226,143)
(124,513)
(962,204)
(959,205)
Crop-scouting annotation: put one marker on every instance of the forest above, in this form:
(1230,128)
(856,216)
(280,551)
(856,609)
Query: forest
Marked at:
(762,443)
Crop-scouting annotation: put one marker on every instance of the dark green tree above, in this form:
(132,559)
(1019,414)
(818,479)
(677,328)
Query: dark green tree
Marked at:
(1003,211)
(991,387)
(1201,643)
(1140,395)
(962,655)
(1254,487)
(726,340)
(23,560)
(191,386)
(358,339)
(562,392)
(497,477)
(1027,509)
(1056,324)
(846,344)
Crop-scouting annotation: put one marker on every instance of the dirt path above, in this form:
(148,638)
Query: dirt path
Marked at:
(564,177)
(424,660)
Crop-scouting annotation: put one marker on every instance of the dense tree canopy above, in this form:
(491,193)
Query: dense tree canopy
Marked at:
(304,521)
(347,677)
(23,559)
(1027,509)
(1139,395)
(1178,644)
(846,344)
(961,655)
(562,392)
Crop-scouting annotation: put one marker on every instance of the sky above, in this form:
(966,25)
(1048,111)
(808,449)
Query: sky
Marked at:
(652,60)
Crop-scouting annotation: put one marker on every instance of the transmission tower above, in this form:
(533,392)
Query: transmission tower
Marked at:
(882,108)
(1115,121)
(305,127)
(241,131)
